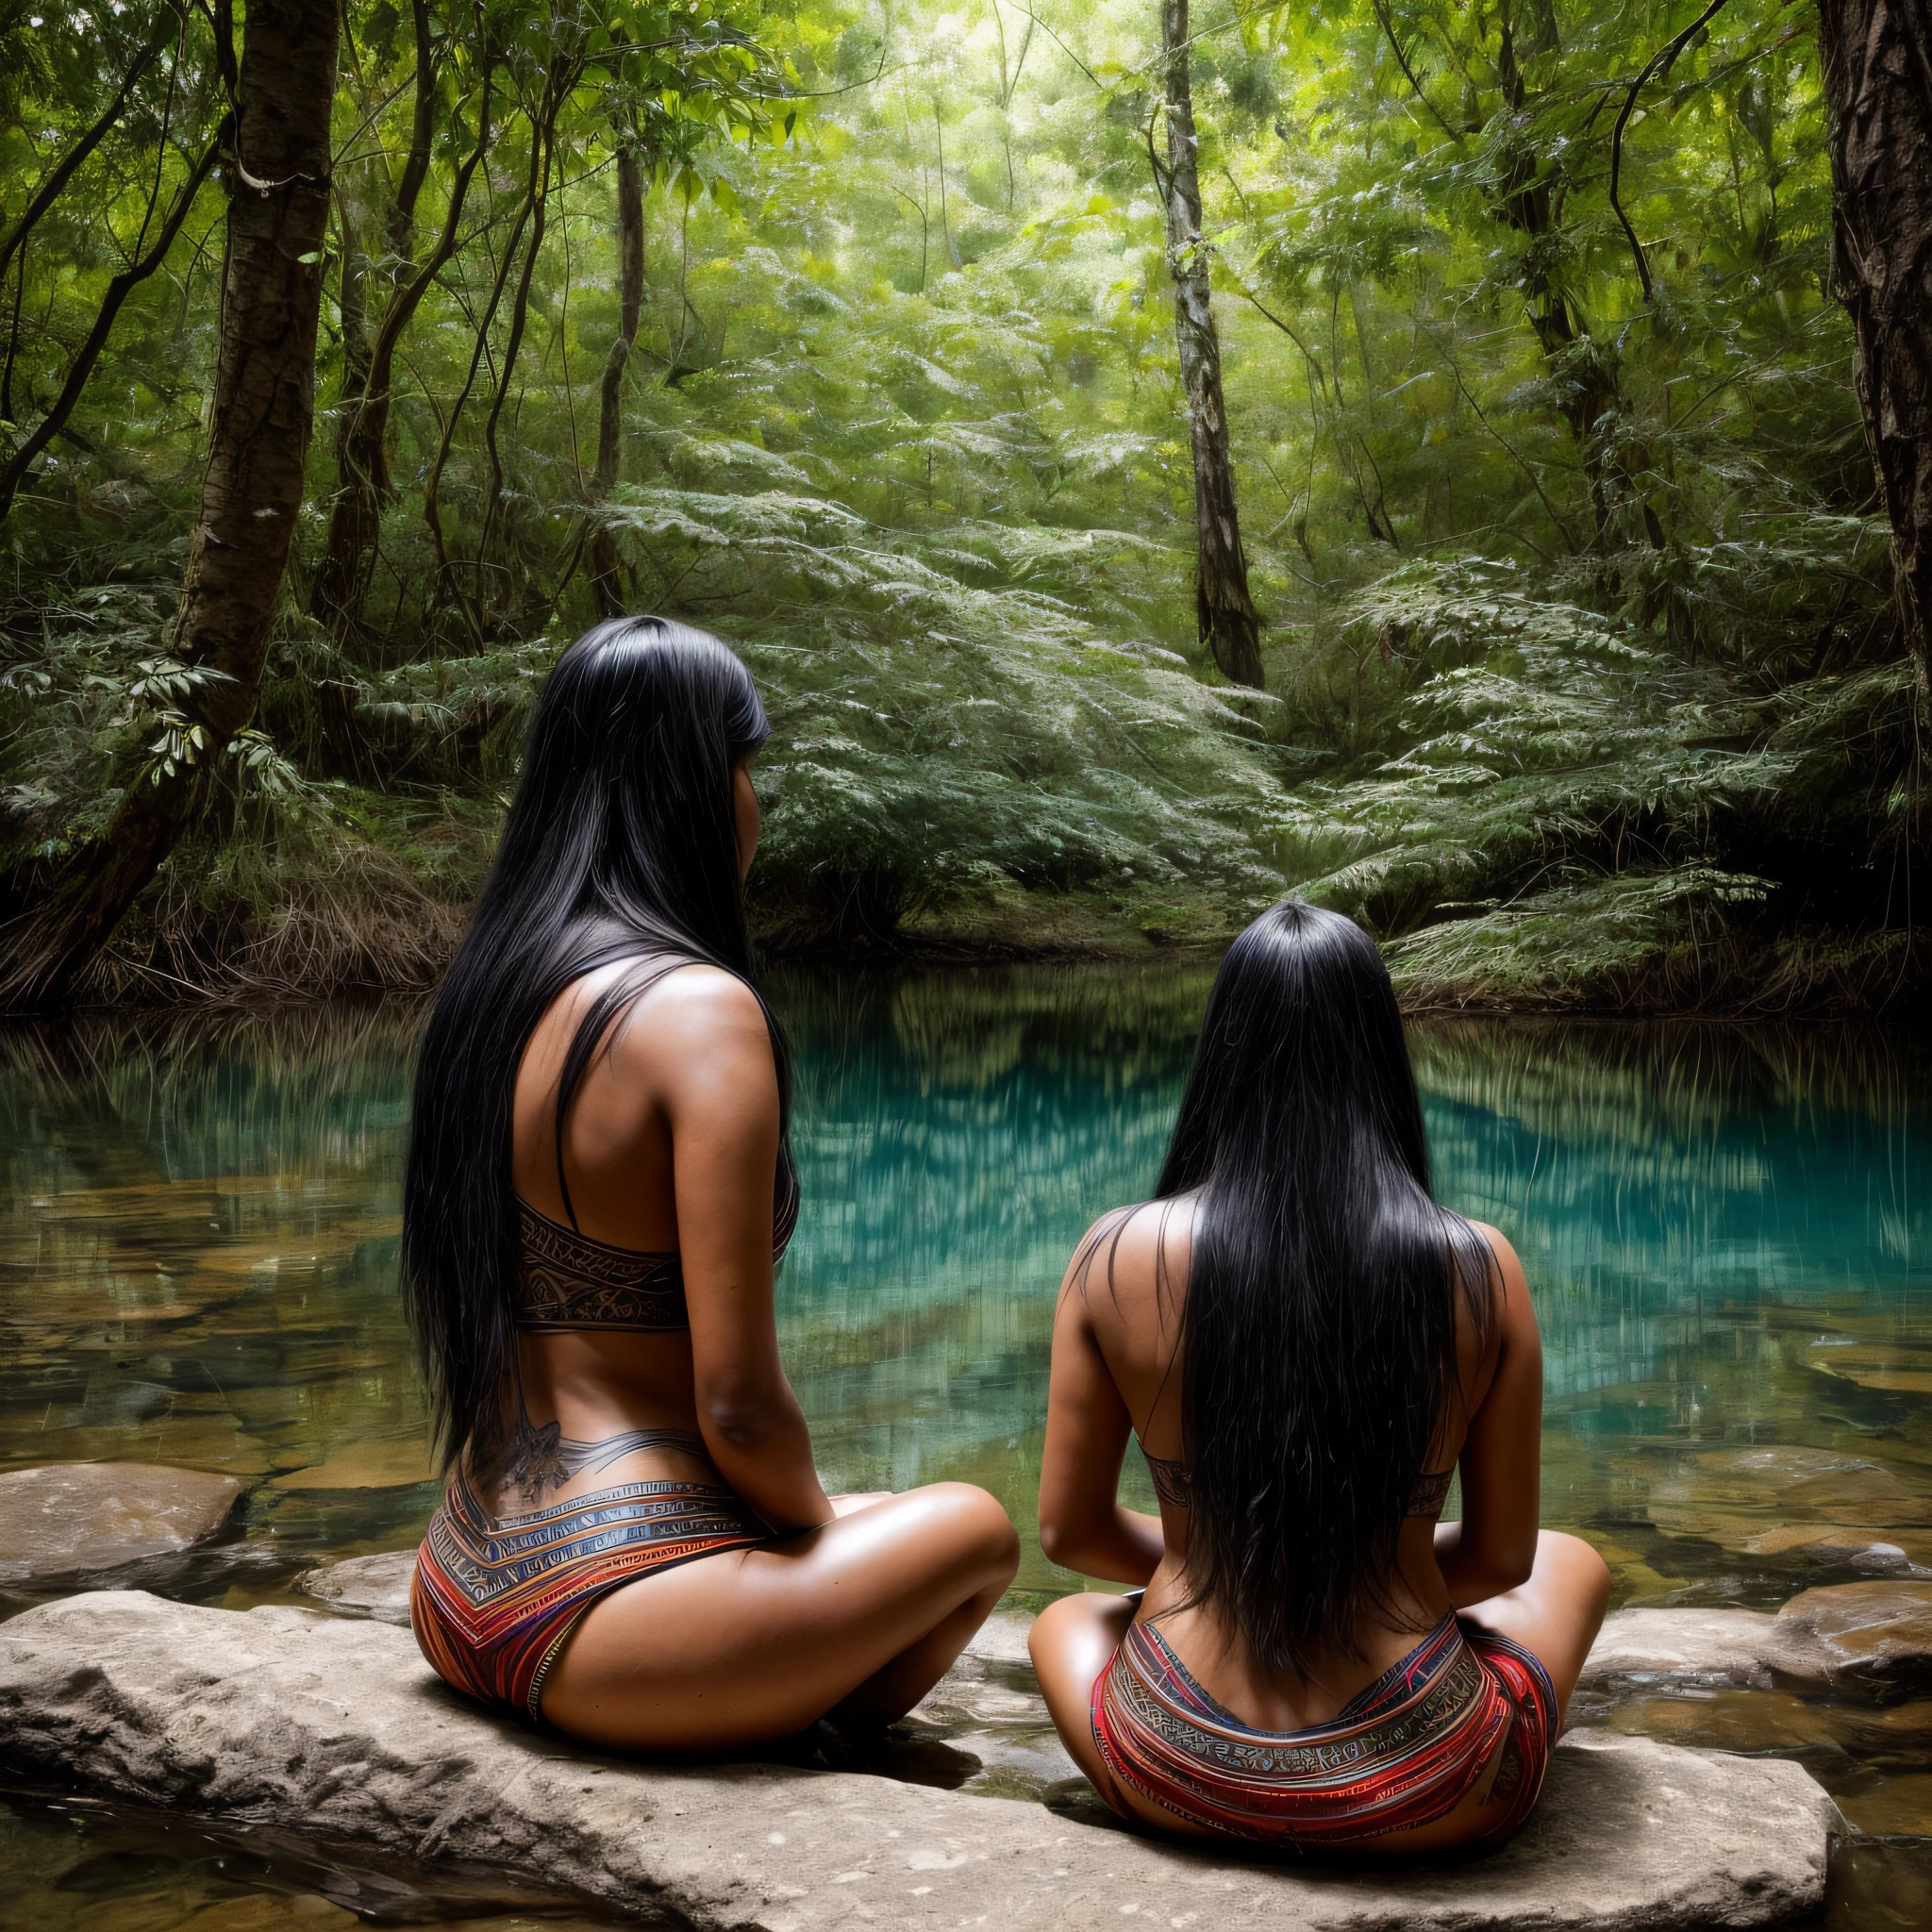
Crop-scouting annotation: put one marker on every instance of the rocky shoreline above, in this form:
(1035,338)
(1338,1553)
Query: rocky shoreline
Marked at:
(334,1725)
(324,1724)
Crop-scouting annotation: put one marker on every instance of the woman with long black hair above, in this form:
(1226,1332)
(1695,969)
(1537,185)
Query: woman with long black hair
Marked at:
(1306,1347)
(634,1546)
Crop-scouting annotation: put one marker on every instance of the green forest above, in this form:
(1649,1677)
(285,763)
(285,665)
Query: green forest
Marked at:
(1467,464)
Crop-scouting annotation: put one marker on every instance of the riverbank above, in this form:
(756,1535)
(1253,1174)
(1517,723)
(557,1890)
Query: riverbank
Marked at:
(371,923)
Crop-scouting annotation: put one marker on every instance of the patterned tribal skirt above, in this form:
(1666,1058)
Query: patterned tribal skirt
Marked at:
(1404,1752)
(496,1597)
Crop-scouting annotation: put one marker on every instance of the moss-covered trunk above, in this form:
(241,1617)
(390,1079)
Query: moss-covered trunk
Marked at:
(1228,622)
(1877,61)
(278,198)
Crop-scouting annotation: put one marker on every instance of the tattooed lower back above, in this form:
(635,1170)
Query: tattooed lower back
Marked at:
(543,1459)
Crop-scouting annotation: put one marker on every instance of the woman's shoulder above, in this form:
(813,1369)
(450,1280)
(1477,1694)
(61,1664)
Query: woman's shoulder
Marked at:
(697,994)
(1506,1278)
(1138,1248)
(688,1025)
(694,1022)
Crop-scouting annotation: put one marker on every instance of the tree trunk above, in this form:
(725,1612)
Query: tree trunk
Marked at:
(1230,625)
(402,213)
(1583,370)
(1877,61)
(362,485)
(264,406)
(631,299)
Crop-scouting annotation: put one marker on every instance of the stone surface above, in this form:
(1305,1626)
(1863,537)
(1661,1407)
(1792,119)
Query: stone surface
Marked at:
(1002,1640)
(989,1705)
(374,1587)
(69,1520)
(1875,1635)
(337,1727)
(1700,1648)
(1874,1638)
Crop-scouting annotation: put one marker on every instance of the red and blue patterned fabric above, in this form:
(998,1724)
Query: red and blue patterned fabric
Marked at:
(496,1597)
(1404,1752)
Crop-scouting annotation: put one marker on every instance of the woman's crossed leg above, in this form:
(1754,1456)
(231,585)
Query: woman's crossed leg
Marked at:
(1555,1615)
(858,1617)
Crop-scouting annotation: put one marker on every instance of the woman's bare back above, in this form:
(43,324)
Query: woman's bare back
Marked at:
(597,1385)
(1130,1304)
(1116,1369)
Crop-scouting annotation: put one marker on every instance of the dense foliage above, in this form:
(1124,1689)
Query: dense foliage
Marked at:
(1584,682)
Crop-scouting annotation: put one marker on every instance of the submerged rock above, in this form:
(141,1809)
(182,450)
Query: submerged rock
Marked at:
(390,1463)
(1875,1635)
(71,1521)
(337,1728)
(1784,1499)
(1804,1728)
(374,1587)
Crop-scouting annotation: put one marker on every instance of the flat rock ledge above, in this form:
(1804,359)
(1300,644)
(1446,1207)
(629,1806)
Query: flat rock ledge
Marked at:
(73,1521)
(1869,1639)
(335,1728)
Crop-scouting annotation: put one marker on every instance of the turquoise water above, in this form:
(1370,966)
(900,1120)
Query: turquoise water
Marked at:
(1726,1232)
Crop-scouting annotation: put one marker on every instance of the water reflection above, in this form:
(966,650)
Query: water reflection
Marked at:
(1726,1232)
(955,1135)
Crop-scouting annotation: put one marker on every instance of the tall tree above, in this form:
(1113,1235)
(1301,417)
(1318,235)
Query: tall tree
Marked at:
(1876,56)
(278,187)
(630,302)
(1229,624)
(1528,194)
(363,485)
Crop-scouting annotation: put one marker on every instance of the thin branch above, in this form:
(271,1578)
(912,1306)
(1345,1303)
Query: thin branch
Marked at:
(1402,61)
(65,169)
(1521,461)
(1660,61)
(342,157)
(1055,38)
(1314,361)
(89,354)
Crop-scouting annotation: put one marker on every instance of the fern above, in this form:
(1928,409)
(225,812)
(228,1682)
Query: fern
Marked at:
(953,711)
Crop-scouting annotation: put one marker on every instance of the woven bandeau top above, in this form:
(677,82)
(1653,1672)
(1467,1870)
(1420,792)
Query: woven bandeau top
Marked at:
(567,1280)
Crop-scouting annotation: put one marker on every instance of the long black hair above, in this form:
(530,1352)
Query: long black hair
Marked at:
(621,844)
(1318,1333)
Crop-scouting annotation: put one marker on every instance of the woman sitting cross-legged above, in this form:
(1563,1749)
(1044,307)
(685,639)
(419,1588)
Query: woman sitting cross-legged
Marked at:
(1307,1347)
(634,1546)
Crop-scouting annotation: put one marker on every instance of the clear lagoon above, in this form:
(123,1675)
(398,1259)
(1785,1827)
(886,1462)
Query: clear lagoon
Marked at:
(1728,1233)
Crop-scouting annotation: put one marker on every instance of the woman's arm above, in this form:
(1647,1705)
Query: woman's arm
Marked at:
(1492,1549)
(1082,1525)
(711,1059)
